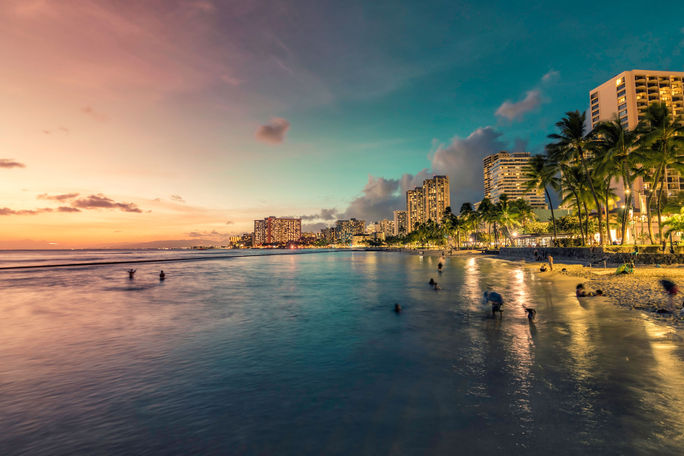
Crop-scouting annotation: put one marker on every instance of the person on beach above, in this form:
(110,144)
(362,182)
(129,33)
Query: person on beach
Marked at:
(131,272)
(536,255)
(672,290)
(550,258)
(496,299)
(663,246)
(162,276)
(581,292)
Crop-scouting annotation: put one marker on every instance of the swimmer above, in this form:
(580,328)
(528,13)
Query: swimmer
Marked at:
(439,267)
(542,268)
(432,282)
(397,308)
(162,276)
(131,272)
(437,287)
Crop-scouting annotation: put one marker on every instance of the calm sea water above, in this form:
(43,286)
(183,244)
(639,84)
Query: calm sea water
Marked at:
(302,354)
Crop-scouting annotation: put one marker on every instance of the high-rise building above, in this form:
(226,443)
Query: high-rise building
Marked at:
(384,226)
(273,230)
(437,197)
(400,223)
(504,173)
(427,202)
(628,94)
(415,207)
(346,229)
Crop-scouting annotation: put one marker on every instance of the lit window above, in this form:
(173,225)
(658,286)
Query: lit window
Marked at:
(618,82)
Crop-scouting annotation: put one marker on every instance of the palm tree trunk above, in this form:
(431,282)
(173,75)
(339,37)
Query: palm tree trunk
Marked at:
(608,235)
(593,193)
(658,204)
(628,203)
(579,217)
(586,221)
(656,178)
(553,216)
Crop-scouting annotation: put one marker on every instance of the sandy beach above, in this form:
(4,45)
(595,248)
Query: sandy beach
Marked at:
(641,290)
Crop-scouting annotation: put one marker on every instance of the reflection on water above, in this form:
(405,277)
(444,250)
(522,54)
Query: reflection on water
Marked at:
(303,354)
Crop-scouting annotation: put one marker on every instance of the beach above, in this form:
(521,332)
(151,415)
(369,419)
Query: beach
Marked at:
(640,290)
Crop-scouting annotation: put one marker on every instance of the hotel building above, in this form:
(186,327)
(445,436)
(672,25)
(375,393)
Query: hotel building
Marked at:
(346,229)
(428,202)
(628,94)
(273,230)
(504,173)
(400,223)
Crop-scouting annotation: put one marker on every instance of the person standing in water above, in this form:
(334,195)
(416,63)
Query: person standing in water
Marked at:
(162,276)
(131,273)
(550,258)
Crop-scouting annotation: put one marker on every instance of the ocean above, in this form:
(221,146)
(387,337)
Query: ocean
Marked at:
(295,353)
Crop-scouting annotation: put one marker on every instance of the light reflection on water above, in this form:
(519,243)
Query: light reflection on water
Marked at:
(303,354)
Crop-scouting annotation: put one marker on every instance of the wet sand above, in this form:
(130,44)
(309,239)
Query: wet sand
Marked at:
(640,291)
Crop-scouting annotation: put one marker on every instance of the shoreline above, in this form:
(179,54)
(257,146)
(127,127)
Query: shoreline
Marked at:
(639,291)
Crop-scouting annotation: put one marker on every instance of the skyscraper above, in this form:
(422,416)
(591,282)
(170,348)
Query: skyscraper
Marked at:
(273,230)
(504,173)
(415,208)
(627,95)
(428,202)
(346,229)
(400,223)
(630,92)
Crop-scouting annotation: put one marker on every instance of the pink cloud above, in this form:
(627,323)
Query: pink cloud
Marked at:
(273,132)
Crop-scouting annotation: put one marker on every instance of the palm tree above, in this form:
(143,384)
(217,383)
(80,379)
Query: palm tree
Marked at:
(485,213)
(572,179)
(541,174)
(615,159)
(662,137)
(572,145)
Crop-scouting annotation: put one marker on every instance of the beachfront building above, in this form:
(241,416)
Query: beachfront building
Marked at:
(384,226)
(504,173)
(427,202)
(626,96)
(400,223)
(274,230)
(346,229)
(415,208)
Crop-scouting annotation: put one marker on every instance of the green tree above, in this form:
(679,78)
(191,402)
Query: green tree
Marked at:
(541,174)
(571,145)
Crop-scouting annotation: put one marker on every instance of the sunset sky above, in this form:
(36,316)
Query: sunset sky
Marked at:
(127,122)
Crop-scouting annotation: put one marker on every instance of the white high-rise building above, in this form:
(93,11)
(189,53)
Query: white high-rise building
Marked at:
(504,173)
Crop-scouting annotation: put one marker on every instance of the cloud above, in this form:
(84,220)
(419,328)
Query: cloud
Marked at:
(63,197)
(515,111)
(177,198)
(533,99)
(461,160)
(324,214)
(8,211)
(67,209)
(100,201)
(552,75)
(9,163)
(273,132)
(313,227)
(89,111)
(382,196)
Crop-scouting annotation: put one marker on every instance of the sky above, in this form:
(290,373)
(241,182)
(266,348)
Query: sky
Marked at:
(145,122)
